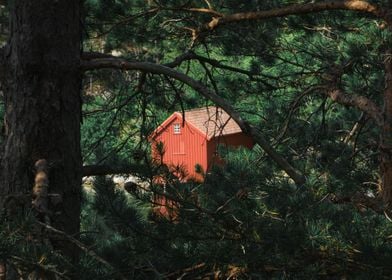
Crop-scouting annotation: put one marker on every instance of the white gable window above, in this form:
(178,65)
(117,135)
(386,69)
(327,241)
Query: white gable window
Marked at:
(177,128)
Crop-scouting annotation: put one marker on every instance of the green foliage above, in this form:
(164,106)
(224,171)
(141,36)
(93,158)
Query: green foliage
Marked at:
(247,219)
(243,219)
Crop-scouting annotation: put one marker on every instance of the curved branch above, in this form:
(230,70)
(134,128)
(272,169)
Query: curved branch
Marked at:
(351,5)
(360,102)
(122,64)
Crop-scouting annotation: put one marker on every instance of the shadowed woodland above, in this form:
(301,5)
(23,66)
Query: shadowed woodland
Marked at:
(83,85)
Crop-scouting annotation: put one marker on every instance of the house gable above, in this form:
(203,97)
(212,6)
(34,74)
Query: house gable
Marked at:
(170,120)
(185,149)
(194,141)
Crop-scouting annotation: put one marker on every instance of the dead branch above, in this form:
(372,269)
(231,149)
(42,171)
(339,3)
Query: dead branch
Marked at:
(41,271)
(185,270)
(355,129)
(82,247)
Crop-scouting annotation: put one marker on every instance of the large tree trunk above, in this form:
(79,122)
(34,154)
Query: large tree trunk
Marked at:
(43,110)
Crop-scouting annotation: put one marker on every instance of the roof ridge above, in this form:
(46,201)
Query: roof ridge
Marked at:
(200,108)
(211,120)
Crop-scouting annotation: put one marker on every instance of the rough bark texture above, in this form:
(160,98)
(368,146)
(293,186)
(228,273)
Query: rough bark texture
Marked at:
(43,110)
(386,135)
(360,102)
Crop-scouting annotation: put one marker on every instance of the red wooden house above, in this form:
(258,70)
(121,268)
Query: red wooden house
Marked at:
(191,139)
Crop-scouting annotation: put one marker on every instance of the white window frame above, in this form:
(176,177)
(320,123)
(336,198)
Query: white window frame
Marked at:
(177,128)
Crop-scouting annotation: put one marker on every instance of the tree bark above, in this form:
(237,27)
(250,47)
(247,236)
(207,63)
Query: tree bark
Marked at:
(100,170)
(299,9)
(43,108)
(386,134)
(360,102)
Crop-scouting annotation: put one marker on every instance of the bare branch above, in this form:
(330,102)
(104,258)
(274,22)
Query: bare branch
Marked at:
(99,170)
(360,102)
(94,55)
(82,247)
(351,5)
(355,129)
(213,62)
(202,10)
(128,20)
(122,64)
(196,10)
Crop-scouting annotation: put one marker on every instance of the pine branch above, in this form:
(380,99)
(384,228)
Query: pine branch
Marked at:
(122,64)
(350,5)
(360,102)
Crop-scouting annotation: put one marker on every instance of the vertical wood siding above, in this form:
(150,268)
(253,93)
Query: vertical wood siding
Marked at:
(186,149)
(190,147)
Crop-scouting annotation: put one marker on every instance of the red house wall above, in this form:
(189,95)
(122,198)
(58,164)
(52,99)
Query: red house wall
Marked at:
(187,148)
(232,140)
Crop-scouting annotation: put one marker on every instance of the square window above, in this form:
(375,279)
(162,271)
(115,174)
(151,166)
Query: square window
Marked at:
(177,128)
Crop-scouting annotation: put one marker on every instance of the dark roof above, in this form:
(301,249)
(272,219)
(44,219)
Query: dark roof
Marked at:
(212,121)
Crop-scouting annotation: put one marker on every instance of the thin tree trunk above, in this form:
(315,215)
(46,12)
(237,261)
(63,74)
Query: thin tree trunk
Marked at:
(3,270)
(43,110)
(386,134)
